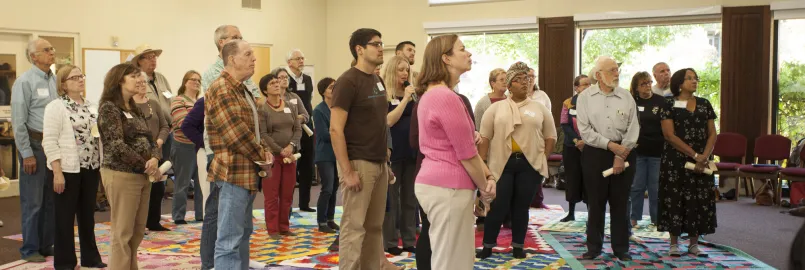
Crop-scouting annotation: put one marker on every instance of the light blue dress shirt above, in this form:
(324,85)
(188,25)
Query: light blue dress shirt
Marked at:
(30,95)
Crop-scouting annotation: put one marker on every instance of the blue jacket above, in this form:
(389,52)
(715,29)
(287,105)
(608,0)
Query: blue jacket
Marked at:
(321,124)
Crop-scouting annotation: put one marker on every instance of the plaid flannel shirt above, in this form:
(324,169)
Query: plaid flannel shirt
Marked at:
(230,128)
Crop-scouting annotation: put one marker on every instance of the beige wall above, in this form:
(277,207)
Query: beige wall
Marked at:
(182,28)
(402,20)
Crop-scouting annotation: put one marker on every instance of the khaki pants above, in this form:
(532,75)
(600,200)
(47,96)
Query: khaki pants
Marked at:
(361,239)
(452,236)
(128,195)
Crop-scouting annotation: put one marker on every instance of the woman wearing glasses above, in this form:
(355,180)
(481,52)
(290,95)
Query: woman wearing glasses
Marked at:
(518,134)
(72,152)
(157,123)
(183,151)
(688,204)
(649,147)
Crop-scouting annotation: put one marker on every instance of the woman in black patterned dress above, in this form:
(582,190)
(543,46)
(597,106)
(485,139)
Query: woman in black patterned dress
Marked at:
(687,201)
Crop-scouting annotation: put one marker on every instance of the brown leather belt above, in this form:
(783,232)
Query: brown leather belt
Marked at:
(35,135)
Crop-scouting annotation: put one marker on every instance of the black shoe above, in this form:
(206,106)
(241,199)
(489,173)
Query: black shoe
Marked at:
(394,251)
(518,253)
(484,253)
(589,255)
(200,219)
(410,249)
(180,222)
(158,228)
(326,229)
(334,246)
(307,209)
(567,218)
(623,256)
(99,265)
(333,225)
(46,252)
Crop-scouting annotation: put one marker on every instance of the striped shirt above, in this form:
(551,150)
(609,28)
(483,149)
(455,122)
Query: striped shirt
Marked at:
(180,106)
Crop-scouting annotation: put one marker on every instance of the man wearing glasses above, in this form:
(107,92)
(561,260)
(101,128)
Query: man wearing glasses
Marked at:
(30,94)
(302,85)
(608,123)
(222,35)
(359,133)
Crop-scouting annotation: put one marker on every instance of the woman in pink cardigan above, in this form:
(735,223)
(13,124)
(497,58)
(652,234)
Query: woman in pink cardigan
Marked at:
(452,168)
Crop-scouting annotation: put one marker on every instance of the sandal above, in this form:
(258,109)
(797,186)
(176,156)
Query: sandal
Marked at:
(694,250)
(674,251)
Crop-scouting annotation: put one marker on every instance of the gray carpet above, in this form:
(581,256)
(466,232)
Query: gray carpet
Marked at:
(761,231)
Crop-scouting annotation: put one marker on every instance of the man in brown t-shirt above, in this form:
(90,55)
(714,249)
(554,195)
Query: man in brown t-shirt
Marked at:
(358,133)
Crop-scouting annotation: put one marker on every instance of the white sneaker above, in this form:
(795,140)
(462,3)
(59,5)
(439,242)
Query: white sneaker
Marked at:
(256,264)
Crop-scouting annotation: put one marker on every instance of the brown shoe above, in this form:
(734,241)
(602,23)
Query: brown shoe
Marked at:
(288,233)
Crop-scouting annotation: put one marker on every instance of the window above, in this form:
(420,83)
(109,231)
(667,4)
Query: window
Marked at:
(495,50)
(790,79)
(696,46)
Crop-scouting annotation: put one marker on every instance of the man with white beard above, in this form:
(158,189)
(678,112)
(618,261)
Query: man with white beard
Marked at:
(608,123)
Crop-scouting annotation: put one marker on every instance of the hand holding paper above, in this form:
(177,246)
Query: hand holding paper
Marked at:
(691,166)
(307,130)
(162,170)
(296,156)
(609,171)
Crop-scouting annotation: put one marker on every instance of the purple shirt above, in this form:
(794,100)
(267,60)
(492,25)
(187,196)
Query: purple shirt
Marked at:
(445,138)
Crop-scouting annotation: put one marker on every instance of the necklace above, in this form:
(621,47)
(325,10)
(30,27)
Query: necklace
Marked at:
(272,105)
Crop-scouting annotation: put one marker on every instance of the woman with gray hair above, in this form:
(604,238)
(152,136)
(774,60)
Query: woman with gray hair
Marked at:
(518,134)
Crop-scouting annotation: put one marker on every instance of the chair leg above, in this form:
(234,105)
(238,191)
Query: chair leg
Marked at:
(752,183)
(737,188)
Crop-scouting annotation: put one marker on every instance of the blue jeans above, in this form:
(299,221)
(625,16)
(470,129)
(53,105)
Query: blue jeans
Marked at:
(647,177)
(235,226)
(325,208)
(183,157)
(36,201)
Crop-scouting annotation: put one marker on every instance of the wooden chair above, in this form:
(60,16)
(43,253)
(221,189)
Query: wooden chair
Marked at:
(771,148)
(731,145)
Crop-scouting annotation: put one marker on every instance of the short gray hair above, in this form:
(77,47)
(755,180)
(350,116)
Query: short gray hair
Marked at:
(231,48)
(219,34)
(597,67)
(654,68)
(290,54)
(31,49)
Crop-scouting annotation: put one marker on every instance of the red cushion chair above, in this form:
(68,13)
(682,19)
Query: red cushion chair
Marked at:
(731,145)
(774,149)
(794,174)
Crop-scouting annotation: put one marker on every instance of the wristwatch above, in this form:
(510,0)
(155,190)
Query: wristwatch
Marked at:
(294,146)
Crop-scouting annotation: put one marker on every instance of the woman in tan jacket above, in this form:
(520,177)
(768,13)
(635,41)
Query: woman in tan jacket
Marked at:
(518,134)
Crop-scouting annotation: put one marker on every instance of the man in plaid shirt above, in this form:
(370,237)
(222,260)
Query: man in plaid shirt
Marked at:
(233,131)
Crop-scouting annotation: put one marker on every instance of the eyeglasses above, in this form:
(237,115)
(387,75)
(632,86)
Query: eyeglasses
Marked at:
(298,59)
(195,80)
(520,79)
(149,57)
(613,70)
(76,77)
(48,50)
(232,37)
(139,83)
(377,44)
(692,79)
(283,77)
(647,83)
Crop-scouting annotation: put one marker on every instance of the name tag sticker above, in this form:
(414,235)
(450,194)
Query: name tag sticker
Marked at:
(395,102)
(572,111)
(293,101)
(43,92)
(128,115)
(681,104)
(300,87)
(93,110)
(167,94)
(94,131)
(380,86)
(641,108)
(286,110)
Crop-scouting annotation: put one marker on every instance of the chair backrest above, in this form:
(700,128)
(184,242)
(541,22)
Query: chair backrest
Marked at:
(772,147)
(730,145)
